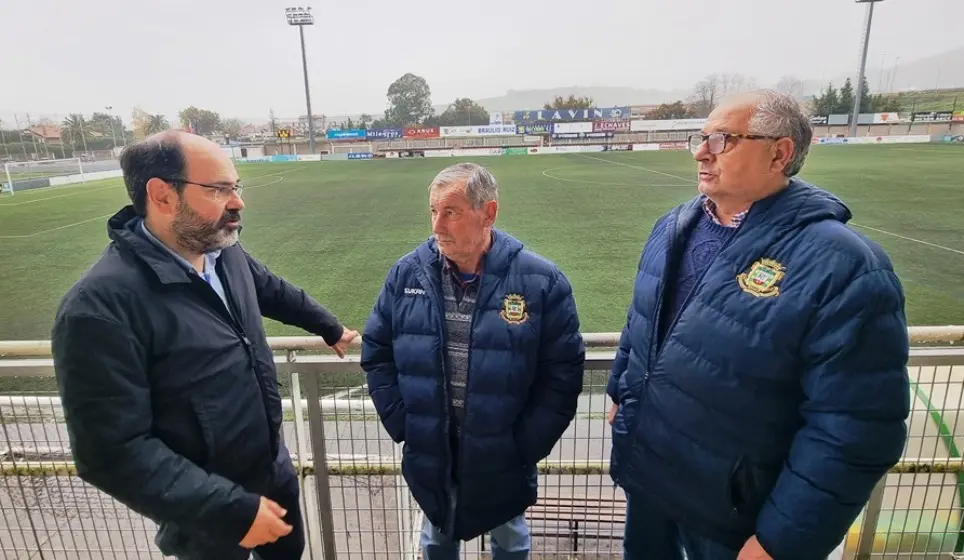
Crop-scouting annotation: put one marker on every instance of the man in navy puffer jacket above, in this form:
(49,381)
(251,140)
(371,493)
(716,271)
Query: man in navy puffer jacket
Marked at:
(760,381)
(475,361)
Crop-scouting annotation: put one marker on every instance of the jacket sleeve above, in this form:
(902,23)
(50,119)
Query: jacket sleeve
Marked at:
(378,362)
(856,399)
(102,378)
(289,304)
(561,365)
(621,360)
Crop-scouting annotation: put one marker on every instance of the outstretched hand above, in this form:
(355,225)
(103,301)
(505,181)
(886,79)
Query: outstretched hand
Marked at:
(342,345)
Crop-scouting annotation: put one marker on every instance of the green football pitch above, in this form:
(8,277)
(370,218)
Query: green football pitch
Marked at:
(335,228)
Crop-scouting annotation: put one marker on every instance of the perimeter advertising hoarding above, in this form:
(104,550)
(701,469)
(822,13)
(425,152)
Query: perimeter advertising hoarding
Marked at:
(349,134)
(572,128)
(934,116)
(421,132)
(556,115)
(667,124)
(480,130)
(610,126)
(535,129)
(384,133)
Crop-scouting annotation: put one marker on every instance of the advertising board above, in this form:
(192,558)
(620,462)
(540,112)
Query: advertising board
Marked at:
(479,130)
(610,126)
(383,133)
(421,132)
(534,128)
(347,134)
(556,115)
(572,128)
(666,124)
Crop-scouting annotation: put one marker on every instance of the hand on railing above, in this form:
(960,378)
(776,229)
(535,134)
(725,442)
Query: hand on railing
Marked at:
(268,526)
(342,345)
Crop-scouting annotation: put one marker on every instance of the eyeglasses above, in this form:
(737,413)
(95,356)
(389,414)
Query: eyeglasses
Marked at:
(221,192)
(716,141)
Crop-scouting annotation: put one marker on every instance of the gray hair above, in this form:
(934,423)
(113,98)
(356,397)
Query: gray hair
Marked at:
(778,114)
(480,185)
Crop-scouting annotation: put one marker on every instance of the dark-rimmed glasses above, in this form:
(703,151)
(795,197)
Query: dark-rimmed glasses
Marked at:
(221,192)
(716,141)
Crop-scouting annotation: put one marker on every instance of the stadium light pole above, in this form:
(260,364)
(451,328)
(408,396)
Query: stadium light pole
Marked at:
(301,17)
(110,118)
(859,92)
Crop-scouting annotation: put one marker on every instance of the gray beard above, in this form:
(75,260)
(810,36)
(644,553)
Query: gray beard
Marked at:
(197,235)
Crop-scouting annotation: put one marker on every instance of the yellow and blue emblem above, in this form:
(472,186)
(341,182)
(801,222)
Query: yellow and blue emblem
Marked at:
(514,309)
(762,279)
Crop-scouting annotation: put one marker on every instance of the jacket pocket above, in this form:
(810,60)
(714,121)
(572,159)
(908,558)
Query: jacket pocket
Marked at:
(748,487)
(207,432)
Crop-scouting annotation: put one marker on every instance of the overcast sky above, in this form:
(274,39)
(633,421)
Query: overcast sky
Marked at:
(240,58)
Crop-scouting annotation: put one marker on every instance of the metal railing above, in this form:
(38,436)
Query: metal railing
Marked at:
(357,505)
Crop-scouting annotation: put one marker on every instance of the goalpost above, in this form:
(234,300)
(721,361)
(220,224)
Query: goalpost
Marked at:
(356,148)
(23,175)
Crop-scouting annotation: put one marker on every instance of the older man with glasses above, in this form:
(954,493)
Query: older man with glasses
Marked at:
(760,386)
(168,385)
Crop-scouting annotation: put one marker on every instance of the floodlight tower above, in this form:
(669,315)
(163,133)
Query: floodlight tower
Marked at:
(859,90)
(301,17)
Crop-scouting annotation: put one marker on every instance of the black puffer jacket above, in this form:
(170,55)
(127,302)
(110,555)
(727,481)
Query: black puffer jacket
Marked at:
(172,405)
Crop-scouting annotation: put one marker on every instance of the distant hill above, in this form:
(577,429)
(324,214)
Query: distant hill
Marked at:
(943,71)
(602,97)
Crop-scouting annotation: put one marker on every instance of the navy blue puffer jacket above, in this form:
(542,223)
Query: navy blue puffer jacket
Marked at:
(523,382)
(777,399)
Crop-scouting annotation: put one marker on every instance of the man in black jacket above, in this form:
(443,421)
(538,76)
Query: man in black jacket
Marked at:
(168,384)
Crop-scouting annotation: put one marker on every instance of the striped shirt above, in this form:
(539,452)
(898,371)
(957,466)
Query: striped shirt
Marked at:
(460,298)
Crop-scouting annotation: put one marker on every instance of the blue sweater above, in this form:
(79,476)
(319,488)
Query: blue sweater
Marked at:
(778,398)
(702,246)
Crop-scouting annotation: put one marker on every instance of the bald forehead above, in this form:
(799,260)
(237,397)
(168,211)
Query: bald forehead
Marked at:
(733,116)
(206,162)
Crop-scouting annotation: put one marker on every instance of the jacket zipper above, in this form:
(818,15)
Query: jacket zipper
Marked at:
(233,314)
(446,444)
(693,292)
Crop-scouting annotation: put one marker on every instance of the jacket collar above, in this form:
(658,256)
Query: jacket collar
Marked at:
(121,228)
(495,261)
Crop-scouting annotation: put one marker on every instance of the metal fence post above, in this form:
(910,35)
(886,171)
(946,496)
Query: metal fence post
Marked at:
(865,546)
(316,424)
(302,446)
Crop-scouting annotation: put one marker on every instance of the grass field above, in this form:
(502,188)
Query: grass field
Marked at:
(335,228)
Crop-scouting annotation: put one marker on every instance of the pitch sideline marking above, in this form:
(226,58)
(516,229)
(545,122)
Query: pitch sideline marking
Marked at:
(928,243)
(546,173)
(82,222)
(922,242)
(641,168)
(114,186)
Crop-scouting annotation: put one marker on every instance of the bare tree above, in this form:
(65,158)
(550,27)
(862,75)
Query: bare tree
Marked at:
(790,85)
(705,96)
(708,92)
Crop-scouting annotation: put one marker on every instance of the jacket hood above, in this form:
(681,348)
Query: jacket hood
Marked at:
(504,248)
(799,204)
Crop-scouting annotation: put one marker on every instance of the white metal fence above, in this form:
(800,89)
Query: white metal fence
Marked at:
(356,504)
